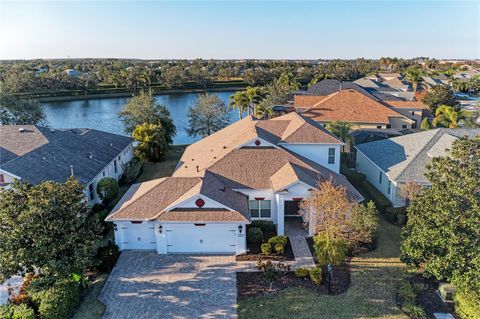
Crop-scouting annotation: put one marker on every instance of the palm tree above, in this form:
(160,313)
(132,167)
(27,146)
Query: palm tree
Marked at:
(414,76)
(329,250)
(254,95)
(446,116)
(239,101)
(340,129)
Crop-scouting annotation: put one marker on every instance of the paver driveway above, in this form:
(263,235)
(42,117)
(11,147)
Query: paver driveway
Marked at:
(149,285)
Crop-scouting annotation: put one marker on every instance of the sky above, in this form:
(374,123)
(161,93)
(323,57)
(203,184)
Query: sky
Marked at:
(239,30)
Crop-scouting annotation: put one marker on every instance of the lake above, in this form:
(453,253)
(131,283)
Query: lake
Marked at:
(102,114)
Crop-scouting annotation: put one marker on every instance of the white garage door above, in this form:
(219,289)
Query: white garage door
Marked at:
(201,238)
(139,236)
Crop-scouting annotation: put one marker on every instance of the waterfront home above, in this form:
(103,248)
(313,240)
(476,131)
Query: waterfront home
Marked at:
(390,163)
(251,170)
(37,154)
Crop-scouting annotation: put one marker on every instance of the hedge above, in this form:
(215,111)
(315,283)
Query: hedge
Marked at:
(107,189)
(467,305)
(396,215)
(59,301)
(264,225)
(381,202)
(254,235)
(107,257)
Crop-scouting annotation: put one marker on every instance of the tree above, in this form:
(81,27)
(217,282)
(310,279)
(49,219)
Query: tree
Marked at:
(446,116)
(414,76)
(425,124)
(16,111)
(329,210)
(329,250)
(409,191)
(47,227)
(142,109)
(152,142)
(239,102)
(439,95)
(443,228)
(107,188)
(208,115)
(245,101)
(340,129)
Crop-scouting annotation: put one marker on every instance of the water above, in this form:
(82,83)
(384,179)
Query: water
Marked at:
(102,114)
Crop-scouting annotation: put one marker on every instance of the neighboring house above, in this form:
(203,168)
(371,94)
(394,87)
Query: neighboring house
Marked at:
(37,154)
(414,110)
(351,106)
(390,163)
(72,72)
(251,170)
(397,84)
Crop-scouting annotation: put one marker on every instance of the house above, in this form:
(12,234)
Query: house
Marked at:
(351,106)
(397,84)
(251,170)
(71,72)
(414,110)
(37,154)
(390,163)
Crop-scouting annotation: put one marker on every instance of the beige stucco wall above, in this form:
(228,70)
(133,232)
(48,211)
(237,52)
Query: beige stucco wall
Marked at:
(413,114)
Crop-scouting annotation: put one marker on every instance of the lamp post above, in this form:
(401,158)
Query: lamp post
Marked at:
(330,277)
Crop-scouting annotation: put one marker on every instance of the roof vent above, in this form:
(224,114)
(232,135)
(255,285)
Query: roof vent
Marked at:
(52,130)
(21,130)
(91,155)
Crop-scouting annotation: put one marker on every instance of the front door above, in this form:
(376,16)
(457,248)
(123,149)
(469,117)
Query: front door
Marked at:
(292,208)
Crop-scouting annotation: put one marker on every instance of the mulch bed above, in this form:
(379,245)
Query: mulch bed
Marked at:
(255,252)
(253,284)
(429,300)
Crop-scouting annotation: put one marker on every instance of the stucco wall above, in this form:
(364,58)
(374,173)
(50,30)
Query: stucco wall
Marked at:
(397,123)
(413,114)
(317,153)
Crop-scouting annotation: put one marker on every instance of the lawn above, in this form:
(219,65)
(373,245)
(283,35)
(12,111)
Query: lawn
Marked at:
(164,168)
(91,307)
(374,276)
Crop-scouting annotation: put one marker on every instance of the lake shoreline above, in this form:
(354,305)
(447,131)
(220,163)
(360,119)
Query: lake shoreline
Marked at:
(129,94)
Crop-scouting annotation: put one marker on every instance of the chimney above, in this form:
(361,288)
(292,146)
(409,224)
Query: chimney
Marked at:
(71,171)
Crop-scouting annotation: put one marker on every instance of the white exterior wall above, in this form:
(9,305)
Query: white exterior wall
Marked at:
(372,173)
(413,114)
(317,153)
(7,177)
(397,123)
(109,171)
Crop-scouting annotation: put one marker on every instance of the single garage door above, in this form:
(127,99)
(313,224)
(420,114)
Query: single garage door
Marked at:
(201,238)
(139,236)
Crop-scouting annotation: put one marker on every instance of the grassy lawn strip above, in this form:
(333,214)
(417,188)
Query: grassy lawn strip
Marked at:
(91,307)
(374,277)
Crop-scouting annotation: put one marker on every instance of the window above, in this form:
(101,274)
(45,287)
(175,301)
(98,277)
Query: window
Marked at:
(91,191)
(379,126)
(115,166)
(2,178)
(331,155)
(413,113)
(260,208)
(404,126)
(380,178)
(103,173)
(389,187)
(389,125)
(119,157)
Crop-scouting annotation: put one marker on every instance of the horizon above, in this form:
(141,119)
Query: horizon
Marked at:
(265,30)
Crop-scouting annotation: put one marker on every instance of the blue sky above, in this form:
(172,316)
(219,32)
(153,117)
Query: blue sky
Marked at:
(248,29)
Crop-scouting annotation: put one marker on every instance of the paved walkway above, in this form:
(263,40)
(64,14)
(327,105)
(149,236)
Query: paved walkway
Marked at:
(297,235)
(149,285)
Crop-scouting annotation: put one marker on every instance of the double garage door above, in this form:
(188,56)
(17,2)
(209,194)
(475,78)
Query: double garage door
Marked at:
(201,238)
(182,238)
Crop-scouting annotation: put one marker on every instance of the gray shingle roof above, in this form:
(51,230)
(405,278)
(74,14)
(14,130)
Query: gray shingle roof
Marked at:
(329,86)
(404,158)
(53,151)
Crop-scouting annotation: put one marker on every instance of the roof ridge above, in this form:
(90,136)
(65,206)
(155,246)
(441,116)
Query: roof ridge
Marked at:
(328,97)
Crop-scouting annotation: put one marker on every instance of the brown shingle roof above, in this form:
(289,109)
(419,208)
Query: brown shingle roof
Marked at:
(408,104)
(346,105)
(18,140)
(201,215)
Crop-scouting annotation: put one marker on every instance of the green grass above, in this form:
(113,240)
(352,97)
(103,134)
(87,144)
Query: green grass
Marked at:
(91,307)
(164,168)
(371,294)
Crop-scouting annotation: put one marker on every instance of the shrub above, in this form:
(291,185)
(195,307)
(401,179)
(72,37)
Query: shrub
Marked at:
(107,189)
(107,257)
(315,275)
(302,272)
(279,249)
(264,225)
(381,202)
(22,296)
(405,293)
(414,311)
(6,312)
(396,215)
(266,249)
(22,312)
(131,170)
(272,271)
(59,301)
(282,240)
(447,291)
(107,226)
(467,305)
(254,235)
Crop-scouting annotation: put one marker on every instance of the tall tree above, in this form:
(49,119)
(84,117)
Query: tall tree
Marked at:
(142,109)
(208,115)
(46,227)
(414,76)
(446,116)
(239,102)
(152,145)
(439,95)
(16,111)
(340,129)
(443,229)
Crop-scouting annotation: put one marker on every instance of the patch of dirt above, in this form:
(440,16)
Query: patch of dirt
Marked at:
(253,284)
